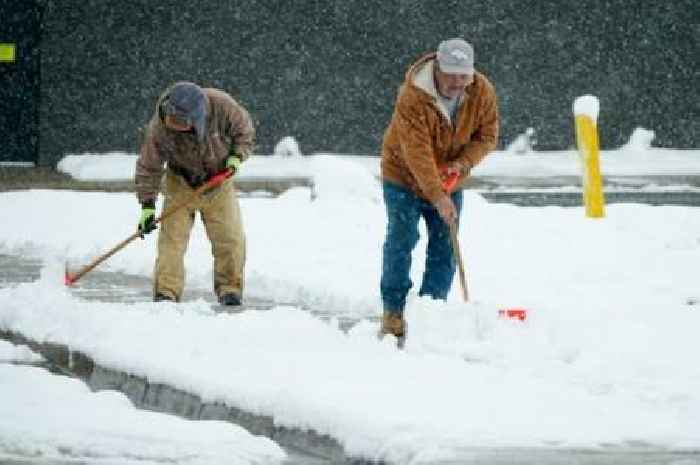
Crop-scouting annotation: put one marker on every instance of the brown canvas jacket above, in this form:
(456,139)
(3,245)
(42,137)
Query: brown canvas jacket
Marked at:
(228,124)
(420,137)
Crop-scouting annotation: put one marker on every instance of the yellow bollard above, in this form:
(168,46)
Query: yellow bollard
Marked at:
(587,141)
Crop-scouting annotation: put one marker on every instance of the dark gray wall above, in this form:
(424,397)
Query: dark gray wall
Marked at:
(326,72)
(19,82)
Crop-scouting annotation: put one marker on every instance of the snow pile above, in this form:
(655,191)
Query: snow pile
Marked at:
(104,427)
(640,140)
(344,181)
(287,147)
(523,143)
(639,161)
(111,166)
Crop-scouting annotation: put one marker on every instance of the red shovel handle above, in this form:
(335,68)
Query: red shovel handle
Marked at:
(218,178)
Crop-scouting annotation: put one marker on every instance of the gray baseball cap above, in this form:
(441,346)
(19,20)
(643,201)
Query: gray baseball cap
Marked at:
(456,56)
(186,101)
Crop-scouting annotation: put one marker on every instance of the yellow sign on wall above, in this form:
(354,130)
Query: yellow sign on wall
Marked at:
(7,53)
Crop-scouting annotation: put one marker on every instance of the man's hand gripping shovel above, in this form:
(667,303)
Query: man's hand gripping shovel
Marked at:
(214,181)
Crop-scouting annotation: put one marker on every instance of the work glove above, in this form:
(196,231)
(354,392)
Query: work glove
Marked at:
(233,163)
(147,221)
(451,173)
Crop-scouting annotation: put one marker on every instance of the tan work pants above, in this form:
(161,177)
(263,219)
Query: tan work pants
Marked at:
(221,215)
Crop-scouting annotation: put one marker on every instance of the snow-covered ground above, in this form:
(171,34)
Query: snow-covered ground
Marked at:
(606,358)
(47,417)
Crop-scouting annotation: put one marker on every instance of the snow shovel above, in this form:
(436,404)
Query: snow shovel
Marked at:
(214,181)
(448,185)
(511,313)
(460,264)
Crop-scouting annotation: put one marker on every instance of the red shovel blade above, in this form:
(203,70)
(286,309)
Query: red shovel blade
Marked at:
(513,314)
(68,278)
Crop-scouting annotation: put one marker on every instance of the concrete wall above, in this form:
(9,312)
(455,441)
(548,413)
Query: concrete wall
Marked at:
(326,72)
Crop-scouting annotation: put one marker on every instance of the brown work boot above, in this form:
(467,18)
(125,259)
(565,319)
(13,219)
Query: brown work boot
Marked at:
(230,299)
(393,323)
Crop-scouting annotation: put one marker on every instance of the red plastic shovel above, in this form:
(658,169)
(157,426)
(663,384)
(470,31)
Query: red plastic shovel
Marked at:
(449,182)
(512,314)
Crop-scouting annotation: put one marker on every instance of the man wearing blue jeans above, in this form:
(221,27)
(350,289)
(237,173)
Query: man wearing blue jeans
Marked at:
(404,209)
(445,122)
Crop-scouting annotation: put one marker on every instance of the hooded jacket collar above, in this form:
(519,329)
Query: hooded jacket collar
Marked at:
(421,76)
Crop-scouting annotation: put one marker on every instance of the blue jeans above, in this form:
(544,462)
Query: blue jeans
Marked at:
(404,209)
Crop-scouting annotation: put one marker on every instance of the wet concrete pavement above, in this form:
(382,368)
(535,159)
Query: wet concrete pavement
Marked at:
(534,198)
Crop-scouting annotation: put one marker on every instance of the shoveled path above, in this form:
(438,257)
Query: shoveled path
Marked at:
(303,447)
